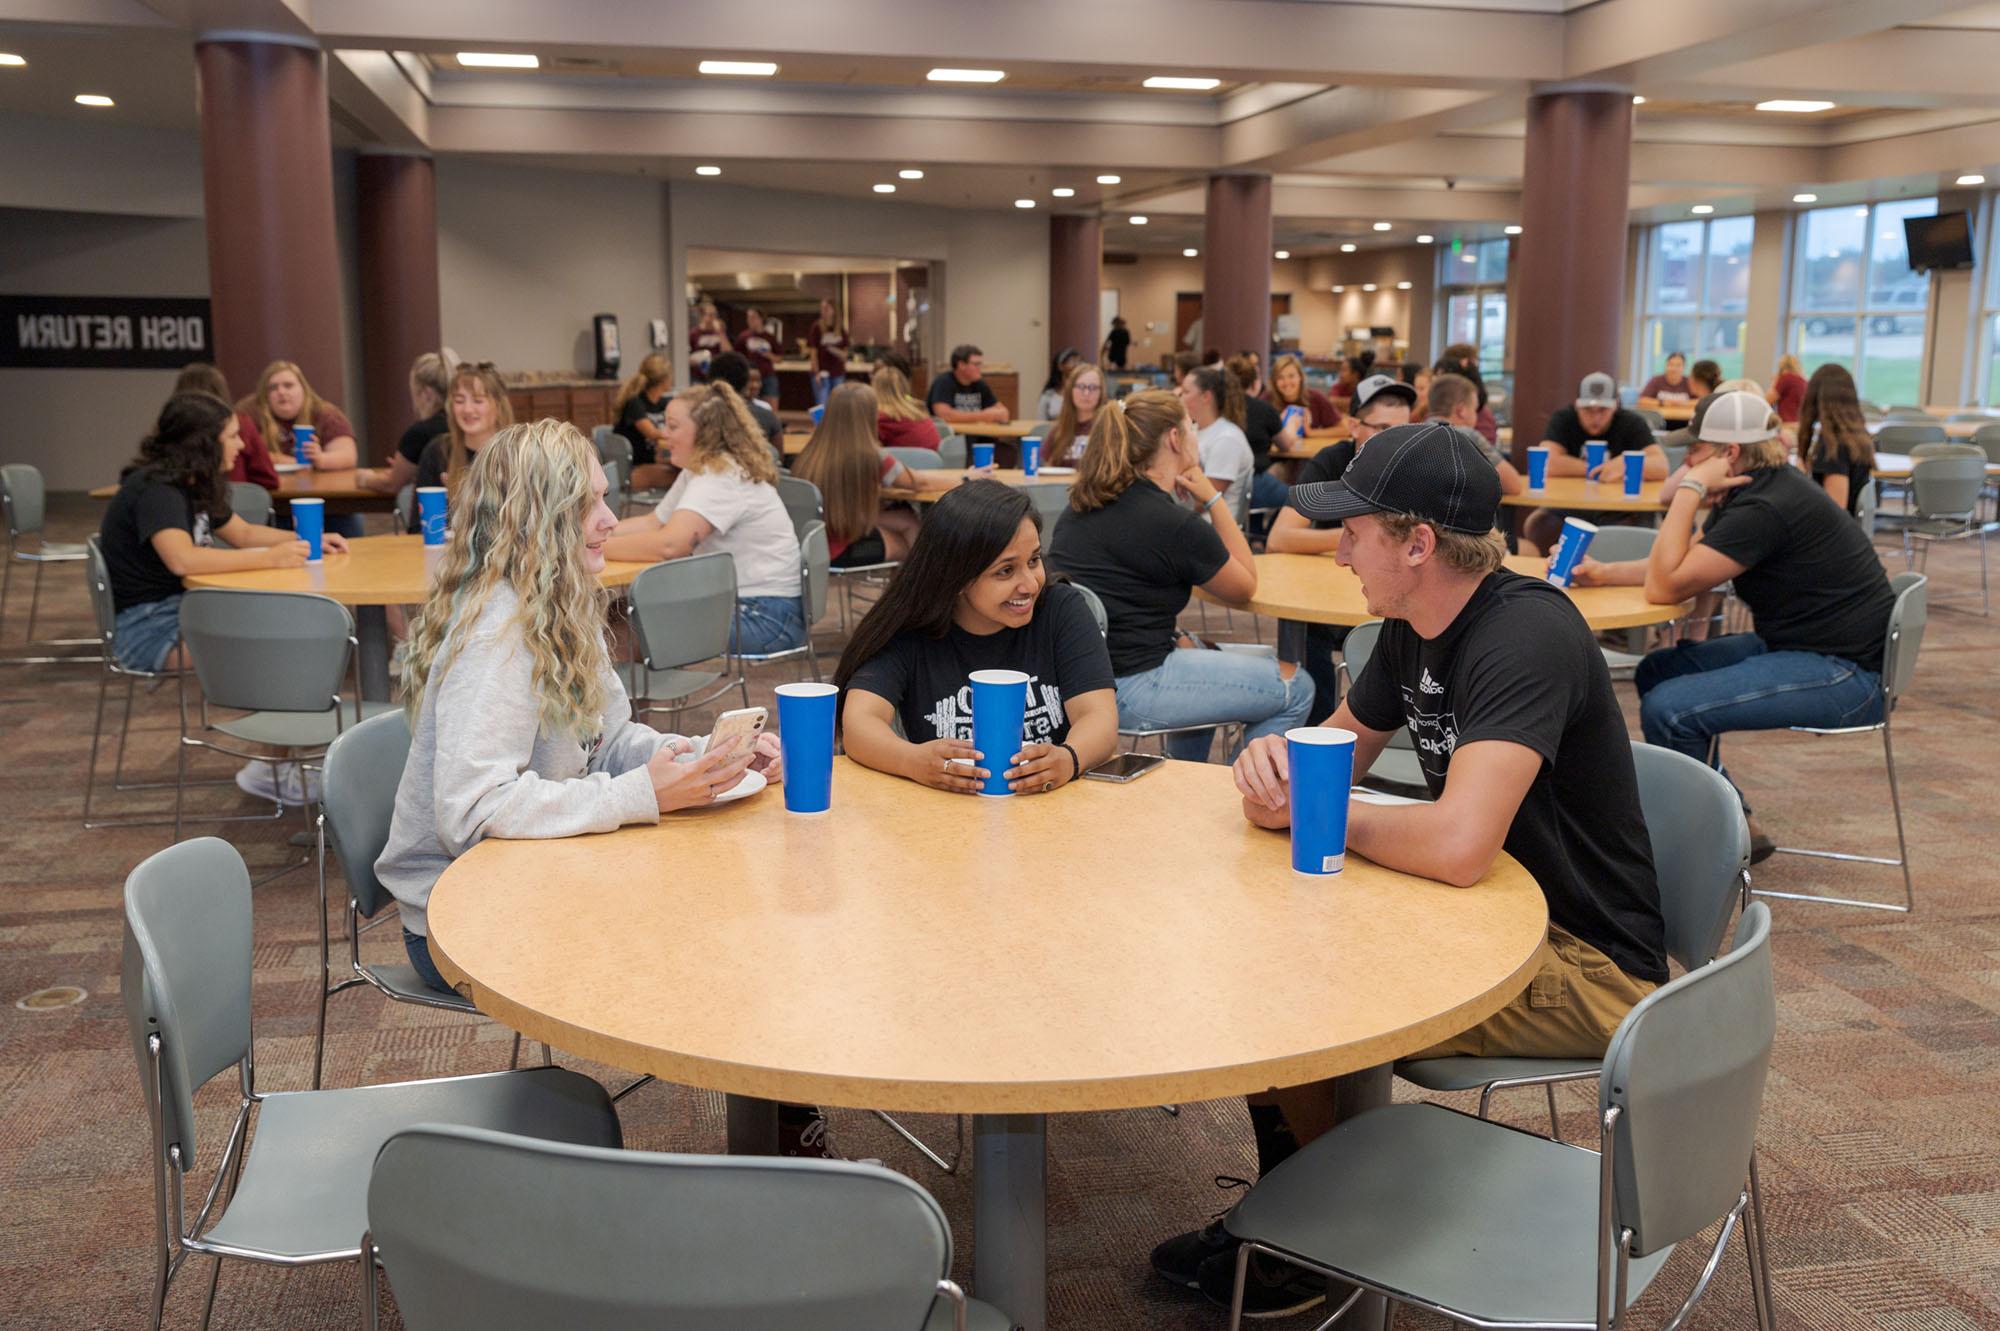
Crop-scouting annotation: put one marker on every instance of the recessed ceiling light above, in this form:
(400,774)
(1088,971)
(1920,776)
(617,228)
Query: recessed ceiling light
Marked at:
(1138,219)
(1513,230)
(1638,100)
(1348,248)
(708,170)
(1178,84)
(1062,192)
(1190,254)
(752,69)
(1024,203)
(1402,286)
(1109,180)
(1425,240)
(1367,286)
(1973,179)
(1702,209)
(1805,198)
(1281,254)
(885,188)
(92,99)
(1384,226)
(1793,105)
(910,173)
(966,75)
(1339,290)
(9,58)
(498,60)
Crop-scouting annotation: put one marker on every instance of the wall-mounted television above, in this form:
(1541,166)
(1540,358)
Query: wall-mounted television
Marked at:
(1943,241)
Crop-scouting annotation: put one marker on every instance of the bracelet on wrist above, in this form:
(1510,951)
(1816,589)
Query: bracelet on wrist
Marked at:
(1694,487)
(1075,763)
(1212,501)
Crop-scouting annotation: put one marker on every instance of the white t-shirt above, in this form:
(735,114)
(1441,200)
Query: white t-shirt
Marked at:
(751,527)
(1226,456)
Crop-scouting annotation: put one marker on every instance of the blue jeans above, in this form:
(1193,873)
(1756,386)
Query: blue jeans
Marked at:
(1694,692)
(769,624)
(822,388)
(420,961)
(1194,686)
(143,634)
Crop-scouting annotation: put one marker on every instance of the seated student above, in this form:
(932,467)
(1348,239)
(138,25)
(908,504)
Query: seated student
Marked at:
(1462,359)
(283,399)
(430,389)
(1835,445)
(1672,386)
(1524,750)
(1817,593)
(973,595)
(253,465)
(725,500)
(1352,371)
(1379,404)
(1288,388)
(1082,399)
(478,409)
(1126,539)
(1214,399)
(1418,376)
(756,346)
(963,397)
(1788,389)
(708,338)
(1454,400)
(1595,415)
(900,421)
(641,406)
(1050,402)
(844,459)
(1262,427)
(828,340)
(731,369)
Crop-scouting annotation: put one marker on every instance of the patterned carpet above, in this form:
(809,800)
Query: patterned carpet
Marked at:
(1880,1135)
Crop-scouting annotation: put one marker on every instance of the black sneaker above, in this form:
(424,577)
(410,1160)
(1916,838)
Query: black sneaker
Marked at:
(804,1134)
(1179,1259)
(1271,1288)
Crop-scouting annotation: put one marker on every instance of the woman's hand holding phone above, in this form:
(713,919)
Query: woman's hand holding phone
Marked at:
(692,784)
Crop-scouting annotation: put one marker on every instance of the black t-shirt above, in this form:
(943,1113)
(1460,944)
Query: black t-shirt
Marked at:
(1810,575)
(144,506)
(924,678)
(1627,432)
(430,471)
(946,390)
(1142,554)
(1858,474)
(1519,664)
(411,446)
(1261,424)
(1329,464)
(638,408)
(1116,344)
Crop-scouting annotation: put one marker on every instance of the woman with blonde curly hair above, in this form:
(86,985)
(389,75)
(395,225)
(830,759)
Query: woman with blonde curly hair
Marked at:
(519,727)
(726,500)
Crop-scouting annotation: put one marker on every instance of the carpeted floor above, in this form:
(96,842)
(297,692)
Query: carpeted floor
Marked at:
(1880,1136)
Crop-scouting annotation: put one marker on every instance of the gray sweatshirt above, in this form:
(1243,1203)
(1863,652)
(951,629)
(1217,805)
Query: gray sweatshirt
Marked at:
(480,764)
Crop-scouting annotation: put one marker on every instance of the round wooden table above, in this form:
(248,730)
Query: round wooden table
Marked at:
(1008,958)
(1898,466)
(1317,589)
(376,571)
(1578,494)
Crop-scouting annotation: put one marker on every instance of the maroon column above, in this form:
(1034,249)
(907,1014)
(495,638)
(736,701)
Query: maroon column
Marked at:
(1575,191)
(1236,265)
(267,183)
(396,197)
(1076,257)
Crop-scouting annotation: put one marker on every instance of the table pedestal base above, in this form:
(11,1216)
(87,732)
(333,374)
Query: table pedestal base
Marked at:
(371,633)
(1010,1217)
(753,1125)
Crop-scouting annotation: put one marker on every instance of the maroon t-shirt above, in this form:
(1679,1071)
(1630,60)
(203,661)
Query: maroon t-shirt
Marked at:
(829,351)
(329,423)
(1791,396)
(253,461)
(897,433)
(757,348)
(1660,390)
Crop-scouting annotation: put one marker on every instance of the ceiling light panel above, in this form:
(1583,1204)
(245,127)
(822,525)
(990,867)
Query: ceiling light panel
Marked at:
(1794,106)
(741,69)
(1175,83)
(966,75)
(498,60)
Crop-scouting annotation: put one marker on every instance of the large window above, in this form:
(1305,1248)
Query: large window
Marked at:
(1855,300)
(1474,280)
(1989,327)
(1696,286)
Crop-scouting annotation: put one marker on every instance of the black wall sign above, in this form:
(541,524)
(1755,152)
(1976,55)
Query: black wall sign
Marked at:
(103,332)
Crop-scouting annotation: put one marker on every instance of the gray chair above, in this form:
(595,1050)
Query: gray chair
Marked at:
(1902,436)
(600,436)
(1947,449)
(25,502)
(1865,507)
(298,1195)
(802,502)
(1907,409)
(480,1229)
(1701,860)
(1051,501)
(683,613)
(251,502)
(1676,455)
(1493,1227)
(917,459)
(952,450)
(1397,764)
(1615,545)
(814,580)
(1654,420)
(363,768)
(1987,439)
(1902,642)
(406,508)
(1945,491)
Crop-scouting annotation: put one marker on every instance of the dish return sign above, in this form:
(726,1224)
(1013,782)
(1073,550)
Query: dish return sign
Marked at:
(103,332)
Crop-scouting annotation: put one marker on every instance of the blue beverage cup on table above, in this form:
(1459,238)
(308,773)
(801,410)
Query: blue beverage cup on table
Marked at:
(1031,455)
(805,744)
(1320,761)
(301,436)
(1593,456)
(999,708)
(1538,468)
(1635,474)
(816,413)
(1575,539)
(1294,420)
(982,455)
(430,506)
(309,525)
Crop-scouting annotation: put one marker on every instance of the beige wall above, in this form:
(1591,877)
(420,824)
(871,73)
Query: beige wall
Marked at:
(1408,312)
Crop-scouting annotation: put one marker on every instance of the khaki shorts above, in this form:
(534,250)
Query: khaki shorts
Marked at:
(1569,1010)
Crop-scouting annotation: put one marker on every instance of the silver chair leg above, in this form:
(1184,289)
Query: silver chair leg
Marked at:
(1902,860)
(1555,1120)
(1756,1255)
(946,1166)
(34,601)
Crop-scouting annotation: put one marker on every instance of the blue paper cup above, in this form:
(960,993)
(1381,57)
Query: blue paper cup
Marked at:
(1635,474)
(1576,537)
(817,413)
(1294,420)
(301,436)
(1593,456)
(430,504)
(1321,763)
(1031,455)
(999,707)
(805,743)
(1538,468)
(982,455)
(309,525)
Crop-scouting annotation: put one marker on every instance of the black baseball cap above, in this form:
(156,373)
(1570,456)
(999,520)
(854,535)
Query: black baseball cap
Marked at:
(1436,471)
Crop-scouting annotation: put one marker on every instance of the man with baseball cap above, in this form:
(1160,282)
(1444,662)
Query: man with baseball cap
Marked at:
(1505,692)
(1595,415)
(1817,592)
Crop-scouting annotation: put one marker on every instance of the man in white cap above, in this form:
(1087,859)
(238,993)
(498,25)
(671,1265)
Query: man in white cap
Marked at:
(1817,592)
(1595,416)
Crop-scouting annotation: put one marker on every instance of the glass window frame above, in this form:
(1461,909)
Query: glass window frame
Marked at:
(1705,315)
(1864,316)
(1481,290)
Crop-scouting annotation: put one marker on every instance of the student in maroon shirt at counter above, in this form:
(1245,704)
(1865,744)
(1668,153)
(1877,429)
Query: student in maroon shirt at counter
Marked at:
(755,346)
(829,352)
(707,339)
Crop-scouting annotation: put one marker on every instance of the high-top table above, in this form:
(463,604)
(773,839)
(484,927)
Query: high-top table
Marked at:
(376,572)
(1007,958)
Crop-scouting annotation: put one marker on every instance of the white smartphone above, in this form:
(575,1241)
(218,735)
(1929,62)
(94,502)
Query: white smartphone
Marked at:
(745,723)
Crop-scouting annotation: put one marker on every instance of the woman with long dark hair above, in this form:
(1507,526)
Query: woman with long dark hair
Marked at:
(1834,443)
(973,595)
(851,470)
